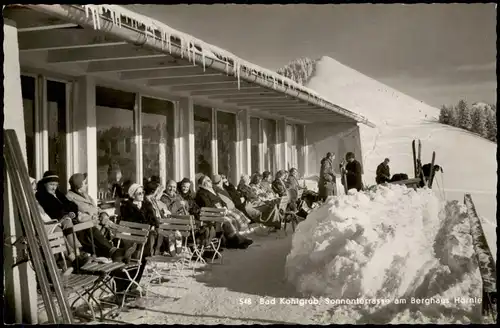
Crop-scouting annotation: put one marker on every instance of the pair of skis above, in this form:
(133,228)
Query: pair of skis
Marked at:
(417,164)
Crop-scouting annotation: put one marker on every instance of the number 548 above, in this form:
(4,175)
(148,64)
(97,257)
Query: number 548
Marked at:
(245,301)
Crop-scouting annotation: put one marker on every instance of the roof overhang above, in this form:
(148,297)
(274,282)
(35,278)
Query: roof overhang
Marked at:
(113,42)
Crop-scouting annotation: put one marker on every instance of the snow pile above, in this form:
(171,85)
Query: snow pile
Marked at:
(385,245)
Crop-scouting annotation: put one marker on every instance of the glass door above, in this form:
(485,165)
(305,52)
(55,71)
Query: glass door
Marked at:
(45,109)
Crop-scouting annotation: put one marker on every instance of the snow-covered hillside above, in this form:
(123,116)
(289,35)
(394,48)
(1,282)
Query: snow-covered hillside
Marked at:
(469,161)
(369,97)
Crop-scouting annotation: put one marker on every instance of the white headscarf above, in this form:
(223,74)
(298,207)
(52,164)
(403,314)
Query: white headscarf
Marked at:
(133,189)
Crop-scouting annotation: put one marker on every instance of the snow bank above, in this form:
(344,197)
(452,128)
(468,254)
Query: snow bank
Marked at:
(389,244)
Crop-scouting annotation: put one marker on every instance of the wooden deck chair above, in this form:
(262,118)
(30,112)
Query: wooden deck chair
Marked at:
(106,282)
(81,285)
(168,228)
(217,217)
(134,233)
(286,215)
(192,233)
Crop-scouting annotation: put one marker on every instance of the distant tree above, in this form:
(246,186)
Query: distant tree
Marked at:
(453,116)
(479,116)
(299,70)
(444,115)
(491,126)
(464,116)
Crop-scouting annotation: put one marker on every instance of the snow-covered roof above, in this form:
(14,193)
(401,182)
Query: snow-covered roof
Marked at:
(191,46)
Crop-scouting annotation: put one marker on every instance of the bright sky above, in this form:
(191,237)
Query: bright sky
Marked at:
(437,53)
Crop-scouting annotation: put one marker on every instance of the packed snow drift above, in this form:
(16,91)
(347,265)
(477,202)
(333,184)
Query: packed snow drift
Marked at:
(370,252)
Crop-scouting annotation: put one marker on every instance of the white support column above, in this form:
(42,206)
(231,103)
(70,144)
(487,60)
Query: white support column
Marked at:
(186,151)
(178,158)
(85,127)
(261,147)
(248,144)
(138,139)
(20,283)
(305,152)
(239,144)
(71,134)
(44,125)
(215,155)
(282,148)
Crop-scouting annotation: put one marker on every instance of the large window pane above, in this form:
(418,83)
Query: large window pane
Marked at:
(269,143)
(56,107)
(157,138)
(255,131)
(28,92)
(115,137)
(226,144)
(203,139)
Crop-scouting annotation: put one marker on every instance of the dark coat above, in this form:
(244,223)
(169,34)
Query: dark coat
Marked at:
(248,193)
(205,198)
(353,175)
(146,214)
(279,187)
(189,197)
(56,207)
(383,173)
(235,195)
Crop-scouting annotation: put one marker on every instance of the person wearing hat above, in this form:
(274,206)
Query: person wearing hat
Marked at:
(51,226)
(59,207)
(87,207)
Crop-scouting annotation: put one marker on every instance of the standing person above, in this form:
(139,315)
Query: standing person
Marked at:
(326,182)
(383,172)
(353,172)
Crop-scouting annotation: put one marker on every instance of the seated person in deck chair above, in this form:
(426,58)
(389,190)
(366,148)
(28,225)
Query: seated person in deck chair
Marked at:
(240,221)
(173,242)
(208,197)
(51,226)
(87,208)
(260,211)
(279,186)
(175,204)
(292,181)
(59,208)
(184,189)
(259,190)
(265,184)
